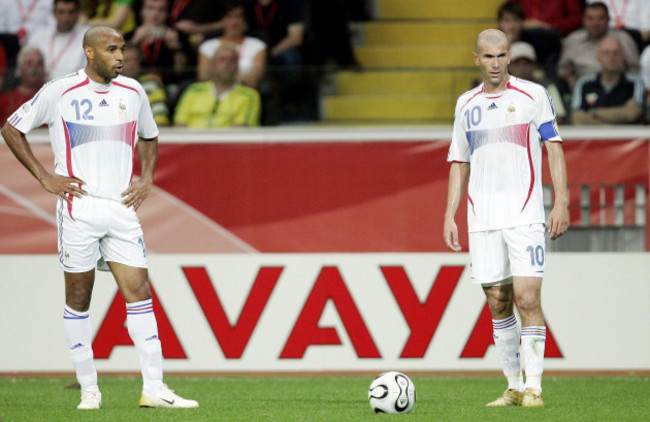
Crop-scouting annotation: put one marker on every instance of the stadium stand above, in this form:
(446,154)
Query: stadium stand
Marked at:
(415,58)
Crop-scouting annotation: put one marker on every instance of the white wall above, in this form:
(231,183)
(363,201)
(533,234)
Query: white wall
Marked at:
(597,307)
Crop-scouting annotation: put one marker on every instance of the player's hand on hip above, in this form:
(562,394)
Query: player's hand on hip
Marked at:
(558,221)
(450,236)
(65,187)
(136,193)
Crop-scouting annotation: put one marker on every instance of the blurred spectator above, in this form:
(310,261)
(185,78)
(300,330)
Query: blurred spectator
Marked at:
(580,49)
(610,96)
(645,68)
(281,25)
(151,83)
(252,51)
(160,47)
(222,101)
(197,19)
(60,43)
(562,15)
(523,65)
(23,17)
(32,77)
(632,16)
(118,14)
(328,35)
(3,69)
(510,20)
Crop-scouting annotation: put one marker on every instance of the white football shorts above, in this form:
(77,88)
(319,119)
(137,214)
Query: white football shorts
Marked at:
(99,229)
(498,255)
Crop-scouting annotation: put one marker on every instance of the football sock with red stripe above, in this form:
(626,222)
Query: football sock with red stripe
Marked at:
(533,343)
(506,340)
(78,334)
(143,330)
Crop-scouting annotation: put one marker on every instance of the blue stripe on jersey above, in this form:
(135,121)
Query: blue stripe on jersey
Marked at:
(82,134)
(513,134)
(548,130)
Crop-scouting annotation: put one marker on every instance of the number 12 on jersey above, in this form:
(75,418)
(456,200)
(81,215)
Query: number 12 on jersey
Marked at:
(86,113)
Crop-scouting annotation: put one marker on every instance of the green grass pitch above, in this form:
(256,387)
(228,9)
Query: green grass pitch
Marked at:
(326,398)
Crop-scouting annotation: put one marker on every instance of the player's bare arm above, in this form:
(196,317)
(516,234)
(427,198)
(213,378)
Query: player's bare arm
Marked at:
(458,176)
(65,187)
(140,187)
(558,219)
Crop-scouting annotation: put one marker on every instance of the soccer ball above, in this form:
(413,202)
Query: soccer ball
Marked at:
(391,392)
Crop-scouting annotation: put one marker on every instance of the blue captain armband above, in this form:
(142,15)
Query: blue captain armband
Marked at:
(548,130)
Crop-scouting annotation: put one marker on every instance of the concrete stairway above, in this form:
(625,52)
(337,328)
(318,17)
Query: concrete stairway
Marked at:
(416,59)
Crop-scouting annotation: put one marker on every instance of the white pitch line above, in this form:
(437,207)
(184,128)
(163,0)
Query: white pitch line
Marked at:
(29,205)
(222,231)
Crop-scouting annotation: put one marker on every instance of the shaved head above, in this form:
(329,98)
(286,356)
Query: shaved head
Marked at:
(492,56)
(491,37)
(97,33)
(104,49)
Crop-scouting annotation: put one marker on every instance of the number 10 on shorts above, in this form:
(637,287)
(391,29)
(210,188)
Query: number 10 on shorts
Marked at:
(536,255)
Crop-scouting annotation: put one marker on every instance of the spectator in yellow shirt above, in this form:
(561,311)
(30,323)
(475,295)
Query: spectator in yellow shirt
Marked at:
(221,101)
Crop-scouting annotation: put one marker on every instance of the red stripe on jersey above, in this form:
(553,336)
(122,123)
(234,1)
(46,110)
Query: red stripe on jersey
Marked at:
(472,97)
(68,159)
(79,85)
(519,90)
(132,140)
(126,86)
(133,127)
(532,169)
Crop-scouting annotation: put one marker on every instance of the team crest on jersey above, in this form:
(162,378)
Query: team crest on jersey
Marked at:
(511,115)
(26,107)
(122,111)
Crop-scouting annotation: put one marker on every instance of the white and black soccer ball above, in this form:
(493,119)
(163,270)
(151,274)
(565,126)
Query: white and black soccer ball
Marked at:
(391,392)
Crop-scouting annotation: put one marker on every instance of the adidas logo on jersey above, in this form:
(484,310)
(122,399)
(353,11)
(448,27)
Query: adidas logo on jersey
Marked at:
(492,107)
(103,103)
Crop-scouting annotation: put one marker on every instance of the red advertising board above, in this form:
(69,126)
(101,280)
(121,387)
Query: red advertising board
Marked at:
(285,197)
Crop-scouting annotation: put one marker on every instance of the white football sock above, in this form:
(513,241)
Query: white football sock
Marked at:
(506,340)
(78,333)
(533,344)
(143,329)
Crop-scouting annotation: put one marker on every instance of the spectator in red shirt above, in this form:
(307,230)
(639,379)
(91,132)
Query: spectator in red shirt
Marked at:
(562,15)
(32,77)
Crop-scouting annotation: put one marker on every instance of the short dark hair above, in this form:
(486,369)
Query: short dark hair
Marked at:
(598,5)
(511,8)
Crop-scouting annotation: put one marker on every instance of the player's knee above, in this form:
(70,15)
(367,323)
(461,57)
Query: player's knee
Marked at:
(137,292)
(529,303)
(500,305)
(78,302)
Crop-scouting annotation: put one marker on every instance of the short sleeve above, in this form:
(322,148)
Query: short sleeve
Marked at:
(147,128)
(209,47)
(545,117)
(40,110)
(459,148)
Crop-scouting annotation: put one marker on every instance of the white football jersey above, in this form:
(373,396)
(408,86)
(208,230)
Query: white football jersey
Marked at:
(501,136)
(94,128)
